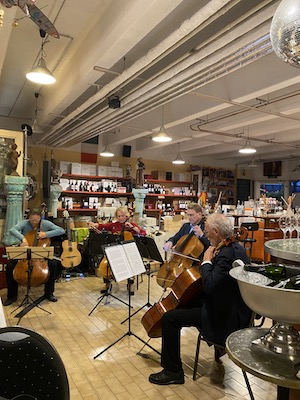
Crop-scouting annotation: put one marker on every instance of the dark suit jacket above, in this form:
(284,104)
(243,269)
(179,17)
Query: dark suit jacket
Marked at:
(184,230)
(223,310)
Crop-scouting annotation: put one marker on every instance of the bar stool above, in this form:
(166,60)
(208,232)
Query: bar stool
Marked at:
(248,242)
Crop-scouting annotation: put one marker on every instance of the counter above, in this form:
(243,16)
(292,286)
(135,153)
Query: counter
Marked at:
(284,252)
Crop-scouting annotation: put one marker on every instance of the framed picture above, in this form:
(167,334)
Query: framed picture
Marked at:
(272,169)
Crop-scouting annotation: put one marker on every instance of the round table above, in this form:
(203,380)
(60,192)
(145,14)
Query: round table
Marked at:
(262,363)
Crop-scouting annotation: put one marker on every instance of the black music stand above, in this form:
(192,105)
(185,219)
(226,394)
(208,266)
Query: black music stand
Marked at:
(121,276)
(29,253)
(114,239)
(148,250)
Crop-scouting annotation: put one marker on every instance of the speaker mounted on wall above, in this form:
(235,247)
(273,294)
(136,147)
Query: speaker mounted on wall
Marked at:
(126,151)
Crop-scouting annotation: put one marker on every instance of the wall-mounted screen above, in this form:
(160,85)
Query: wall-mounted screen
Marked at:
(272,169)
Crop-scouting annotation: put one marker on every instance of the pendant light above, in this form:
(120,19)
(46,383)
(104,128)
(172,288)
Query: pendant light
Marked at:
(178,160)
(40,73)
(36,128)
(162,136)
(247,148)
(106,151)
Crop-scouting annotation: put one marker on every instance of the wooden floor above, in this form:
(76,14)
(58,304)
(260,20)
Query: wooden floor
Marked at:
(119,373)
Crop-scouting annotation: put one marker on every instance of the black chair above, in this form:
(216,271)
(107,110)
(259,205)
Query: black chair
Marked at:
(248,242)
(31,367)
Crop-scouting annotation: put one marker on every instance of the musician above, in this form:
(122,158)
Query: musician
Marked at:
(46,229)
(122,223)
(195,224)
(218,311)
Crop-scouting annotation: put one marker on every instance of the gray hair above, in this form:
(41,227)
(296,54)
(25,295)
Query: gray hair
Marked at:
(222,223)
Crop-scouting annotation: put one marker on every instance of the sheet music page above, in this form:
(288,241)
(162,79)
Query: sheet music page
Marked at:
(118,262)
(134,258)
(125,260)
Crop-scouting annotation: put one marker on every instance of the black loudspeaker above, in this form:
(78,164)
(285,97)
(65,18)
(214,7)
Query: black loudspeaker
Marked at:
(126,151)
(114,102)
(46,178)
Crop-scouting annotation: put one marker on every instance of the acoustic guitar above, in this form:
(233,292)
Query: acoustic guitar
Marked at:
(70,256)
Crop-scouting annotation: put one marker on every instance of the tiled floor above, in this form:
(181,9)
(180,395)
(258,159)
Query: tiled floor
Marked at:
(119,373)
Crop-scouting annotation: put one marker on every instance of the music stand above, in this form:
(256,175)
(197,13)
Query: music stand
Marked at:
(125,262)
(114,239)
(148,250)
(29,253)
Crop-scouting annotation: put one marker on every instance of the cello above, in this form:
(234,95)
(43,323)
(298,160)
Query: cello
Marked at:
(187,250)
(39,267)
(186,287)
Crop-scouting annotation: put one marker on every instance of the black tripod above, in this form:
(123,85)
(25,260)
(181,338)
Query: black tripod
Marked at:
(147,304)
(129,332)
(107,292)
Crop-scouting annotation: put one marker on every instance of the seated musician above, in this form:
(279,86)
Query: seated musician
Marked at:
(46,229)
(195,224)
(218,311)
(121,224)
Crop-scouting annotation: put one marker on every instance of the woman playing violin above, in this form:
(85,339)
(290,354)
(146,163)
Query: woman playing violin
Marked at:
(122,223)
(218,311)
(44,229)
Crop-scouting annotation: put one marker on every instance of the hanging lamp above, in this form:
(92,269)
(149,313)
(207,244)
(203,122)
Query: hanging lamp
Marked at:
(162,136)
(247,148)
(40,73)
(36,128)
(178,160)
(106,152)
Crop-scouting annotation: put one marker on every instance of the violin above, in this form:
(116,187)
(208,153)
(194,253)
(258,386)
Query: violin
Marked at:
(185,253)
(39,267)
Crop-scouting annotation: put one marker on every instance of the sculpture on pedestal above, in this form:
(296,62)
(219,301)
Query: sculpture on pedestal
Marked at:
(140,167)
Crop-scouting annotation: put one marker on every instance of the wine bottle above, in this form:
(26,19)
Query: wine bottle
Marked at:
(293,283)
(276,272)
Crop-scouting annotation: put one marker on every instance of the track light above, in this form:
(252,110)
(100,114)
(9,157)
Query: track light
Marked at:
(114,102)
(178,160)
(40,73)
(247,148)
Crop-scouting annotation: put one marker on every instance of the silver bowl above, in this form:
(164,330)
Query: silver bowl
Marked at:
(281,305)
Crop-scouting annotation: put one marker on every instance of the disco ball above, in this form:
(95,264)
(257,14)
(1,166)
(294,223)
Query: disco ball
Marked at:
(285,32)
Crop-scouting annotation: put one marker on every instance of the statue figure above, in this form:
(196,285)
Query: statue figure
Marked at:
(55,171)
(128,171)
(13,156)
(140,167)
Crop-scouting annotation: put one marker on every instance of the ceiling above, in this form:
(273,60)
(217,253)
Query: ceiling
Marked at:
(204,69)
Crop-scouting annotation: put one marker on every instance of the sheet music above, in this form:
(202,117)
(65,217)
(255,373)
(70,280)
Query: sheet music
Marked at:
(125,260)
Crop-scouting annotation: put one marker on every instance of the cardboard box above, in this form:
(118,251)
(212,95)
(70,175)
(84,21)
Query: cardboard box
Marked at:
(76,168)
(65,167)
(159,175)
(102,170)
(89,169)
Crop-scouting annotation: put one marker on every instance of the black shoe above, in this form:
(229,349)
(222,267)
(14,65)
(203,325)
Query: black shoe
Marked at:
(165,377)
(8,302)
(51,297)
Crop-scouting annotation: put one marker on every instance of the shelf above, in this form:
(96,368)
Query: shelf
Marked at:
(79,209)
(94,178)
(171,182)
(69,192)
(181,196)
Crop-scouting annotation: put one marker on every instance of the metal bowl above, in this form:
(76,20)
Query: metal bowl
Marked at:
(281,305)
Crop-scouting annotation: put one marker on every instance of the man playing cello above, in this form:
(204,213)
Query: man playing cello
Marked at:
(219,308)
(44,229)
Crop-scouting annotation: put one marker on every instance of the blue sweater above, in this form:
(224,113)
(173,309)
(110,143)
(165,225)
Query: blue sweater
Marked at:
(22,228)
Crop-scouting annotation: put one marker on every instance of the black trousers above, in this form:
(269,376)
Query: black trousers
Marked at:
(12,285)
(172,322)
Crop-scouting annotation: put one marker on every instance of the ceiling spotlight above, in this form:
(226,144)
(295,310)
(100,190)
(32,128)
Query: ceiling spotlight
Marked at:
(247,148)
(40,73)
(178,160)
